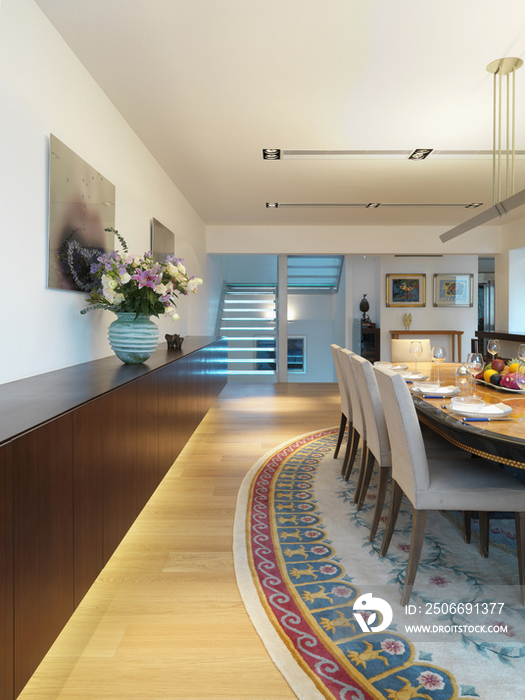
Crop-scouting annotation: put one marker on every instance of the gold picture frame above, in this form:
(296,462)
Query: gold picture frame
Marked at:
(405,290)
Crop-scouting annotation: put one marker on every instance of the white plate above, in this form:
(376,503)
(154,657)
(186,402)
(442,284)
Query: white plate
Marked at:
(484,411)
(389,365)
(442,391)
(411,377)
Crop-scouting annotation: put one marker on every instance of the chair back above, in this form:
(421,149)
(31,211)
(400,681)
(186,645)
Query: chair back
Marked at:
(377,439)
(409,459)
(348,372)
(400,350)
(343,389)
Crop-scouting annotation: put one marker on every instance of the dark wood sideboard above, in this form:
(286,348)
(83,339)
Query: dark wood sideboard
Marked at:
(82,449)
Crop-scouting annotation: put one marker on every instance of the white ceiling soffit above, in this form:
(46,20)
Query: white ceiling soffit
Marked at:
(207,84)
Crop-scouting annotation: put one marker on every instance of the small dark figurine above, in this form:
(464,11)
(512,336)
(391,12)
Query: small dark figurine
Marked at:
(174,341)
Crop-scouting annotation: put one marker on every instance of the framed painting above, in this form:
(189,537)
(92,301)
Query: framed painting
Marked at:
(406,290)
(81,208)
(453,290)
(162,241)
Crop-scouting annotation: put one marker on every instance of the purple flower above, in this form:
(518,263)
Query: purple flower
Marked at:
(145,278)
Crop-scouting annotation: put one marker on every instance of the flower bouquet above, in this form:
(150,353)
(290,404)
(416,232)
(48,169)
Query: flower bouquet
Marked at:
(134,289)
(123,282)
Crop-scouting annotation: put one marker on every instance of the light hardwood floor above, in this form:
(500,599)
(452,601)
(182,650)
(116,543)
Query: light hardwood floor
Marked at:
(165,620)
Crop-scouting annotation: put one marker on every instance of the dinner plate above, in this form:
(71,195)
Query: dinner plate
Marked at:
(441,391)
(390,365)
(484,411)
(501,388)
(411,377)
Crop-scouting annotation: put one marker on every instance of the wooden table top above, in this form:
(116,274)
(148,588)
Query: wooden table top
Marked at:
(502,441)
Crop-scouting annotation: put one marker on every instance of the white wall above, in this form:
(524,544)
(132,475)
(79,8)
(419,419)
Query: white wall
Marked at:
(312,315)
(429,317)
(44,89)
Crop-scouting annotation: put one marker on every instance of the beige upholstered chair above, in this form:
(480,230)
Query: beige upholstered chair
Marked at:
(400,350)
(439,484)
(378,441)
(359,429)
(346,407)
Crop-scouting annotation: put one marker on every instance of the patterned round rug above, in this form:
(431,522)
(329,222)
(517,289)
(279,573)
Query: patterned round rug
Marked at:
(327,606)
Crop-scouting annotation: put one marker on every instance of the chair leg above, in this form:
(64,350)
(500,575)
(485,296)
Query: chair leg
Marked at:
(366,456)
(365,482)
(342,427)
(380,501)
(395,504)
(520,544)
(467,525)
(419,521)
(484,533)
(351,451)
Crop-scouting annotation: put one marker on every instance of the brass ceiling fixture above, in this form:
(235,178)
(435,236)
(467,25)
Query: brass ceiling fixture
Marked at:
(502,155)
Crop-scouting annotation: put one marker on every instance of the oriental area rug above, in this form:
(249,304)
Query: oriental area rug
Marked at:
(327,606)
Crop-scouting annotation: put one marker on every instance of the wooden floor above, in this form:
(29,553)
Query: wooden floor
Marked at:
(165,619)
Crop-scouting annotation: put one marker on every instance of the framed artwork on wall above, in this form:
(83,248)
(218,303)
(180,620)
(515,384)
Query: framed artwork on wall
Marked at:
(162,241)
(81,208)
(453,289)
(406,290)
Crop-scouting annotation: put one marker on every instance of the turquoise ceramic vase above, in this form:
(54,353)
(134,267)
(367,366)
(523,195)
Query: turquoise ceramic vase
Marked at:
(133,340)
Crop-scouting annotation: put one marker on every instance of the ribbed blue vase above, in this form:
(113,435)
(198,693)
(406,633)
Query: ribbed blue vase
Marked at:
(133,340)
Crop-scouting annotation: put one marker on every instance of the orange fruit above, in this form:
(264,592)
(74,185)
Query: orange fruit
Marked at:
(488,374)
(514,367)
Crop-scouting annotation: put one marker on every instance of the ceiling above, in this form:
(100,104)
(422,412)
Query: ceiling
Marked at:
(207,84)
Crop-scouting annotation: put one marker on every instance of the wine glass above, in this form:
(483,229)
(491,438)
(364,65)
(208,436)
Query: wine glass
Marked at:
(493,348)
(474,364)
(521,352)
(520,375)
(438,356)
(416,349)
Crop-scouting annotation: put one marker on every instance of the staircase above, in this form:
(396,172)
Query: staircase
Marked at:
(248,319)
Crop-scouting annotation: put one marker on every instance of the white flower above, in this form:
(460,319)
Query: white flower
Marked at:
(193,284)
(171,311)
(171,269)
(136,261)
(108,282)
(125,278)
(181,268)
(109,294)
(161,289)
(118,299)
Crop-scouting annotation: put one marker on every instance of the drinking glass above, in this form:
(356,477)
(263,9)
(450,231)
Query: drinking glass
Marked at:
(521,352)
(474,364)
(520,375)
(493,347)
(438,356)
(416,349)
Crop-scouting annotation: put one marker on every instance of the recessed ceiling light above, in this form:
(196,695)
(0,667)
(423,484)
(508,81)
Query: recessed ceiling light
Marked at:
(271,153)
(420,153)
(272,205)
(373,205)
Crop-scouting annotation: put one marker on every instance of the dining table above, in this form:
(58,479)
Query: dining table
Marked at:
(502,440)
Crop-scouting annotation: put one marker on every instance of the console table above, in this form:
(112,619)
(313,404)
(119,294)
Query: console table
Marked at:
(81,451)
(395,335)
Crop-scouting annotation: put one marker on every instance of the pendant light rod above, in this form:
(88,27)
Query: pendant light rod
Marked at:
(500,68)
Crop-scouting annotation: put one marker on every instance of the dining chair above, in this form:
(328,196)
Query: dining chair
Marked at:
(358,422)
(439,484)
(346,407)
(400,350)
(378,441)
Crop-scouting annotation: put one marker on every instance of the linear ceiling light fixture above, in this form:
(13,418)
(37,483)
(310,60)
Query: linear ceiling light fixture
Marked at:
(288,154)
(502,67)
(370,205)
(271,153)
(420,153)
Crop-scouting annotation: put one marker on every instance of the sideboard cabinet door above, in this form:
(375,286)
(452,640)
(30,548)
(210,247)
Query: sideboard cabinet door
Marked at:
(43,542)
(6,572)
